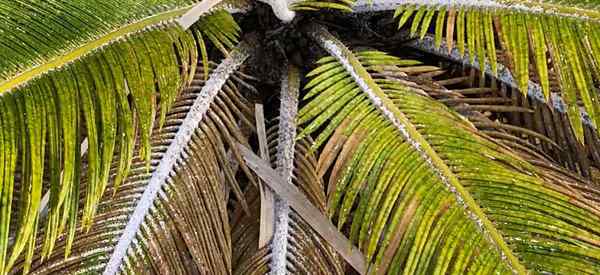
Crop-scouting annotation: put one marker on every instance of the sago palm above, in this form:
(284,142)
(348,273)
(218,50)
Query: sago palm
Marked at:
(300,137)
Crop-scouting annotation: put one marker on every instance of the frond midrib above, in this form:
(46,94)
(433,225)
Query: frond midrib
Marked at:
(286,143)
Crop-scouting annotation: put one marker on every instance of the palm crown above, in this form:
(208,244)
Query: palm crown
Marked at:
(437,136)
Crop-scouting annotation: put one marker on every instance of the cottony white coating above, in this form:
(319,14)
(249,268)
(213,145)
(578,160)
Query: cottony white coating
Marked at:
(174,153)
(281,9)
(285,167)
(383,5)
(362,6)
(534,90)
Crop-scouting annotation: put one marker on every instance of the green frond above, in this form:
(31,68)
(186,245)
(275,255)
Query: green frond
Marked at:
(511,120)
(315,5)
(428,192)
(125,149)
(95,87)
(98,82)
(63,33)
(187,229)
(558,37)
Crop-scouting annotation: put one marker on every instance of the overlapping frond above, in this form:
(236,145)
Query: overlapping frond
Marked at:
(307,252)
(59,89)
(422,191)
(500,112)
(295,248)
(119,143)
(47,113)
(496,107)
(186,227)
(559,38)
